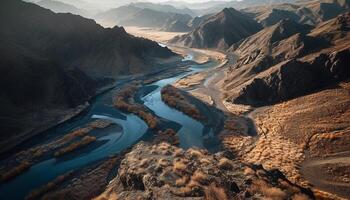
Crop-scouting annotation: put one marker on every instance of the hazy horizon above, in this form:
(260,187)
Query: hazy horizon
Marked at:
(106,4)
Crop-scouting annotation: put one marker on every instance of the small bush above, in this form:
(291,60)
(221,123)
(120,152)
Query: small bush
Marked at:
(200,177)
(179,166)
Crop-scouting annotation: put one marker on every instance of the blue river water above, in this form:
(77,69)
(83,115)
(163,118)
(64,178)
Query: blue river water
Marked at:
(111,140)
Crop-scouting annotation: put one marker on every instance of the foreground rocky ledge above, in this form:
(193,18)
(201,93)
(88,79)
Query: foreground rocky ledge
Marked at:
(167,172)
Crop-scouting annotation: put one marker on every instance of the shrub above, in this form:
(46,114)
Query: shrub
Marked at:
(173,98)
(23,166)
(85,141)
(36,194)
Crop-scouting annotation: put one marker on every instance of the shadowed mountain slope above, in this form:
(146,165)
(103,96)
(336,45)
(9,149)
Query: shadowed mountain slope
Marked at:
(51,63)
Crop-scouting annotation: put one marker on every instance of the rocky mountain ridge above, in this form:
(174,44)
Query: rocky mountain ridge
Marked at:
(267,76)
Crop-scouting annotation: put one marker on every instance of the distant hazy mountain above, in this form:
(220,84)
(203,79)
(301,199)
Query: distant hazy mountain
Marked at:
(307,12)
(59,7)
(134,16)
(216,6)
(220,31)
(50,63)
(164,8)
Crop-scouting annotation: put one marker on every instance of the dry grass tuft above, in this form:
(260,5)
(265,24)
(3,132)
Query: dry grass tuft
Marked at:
(261,186)
(179,166)
(213,192)
(200,177)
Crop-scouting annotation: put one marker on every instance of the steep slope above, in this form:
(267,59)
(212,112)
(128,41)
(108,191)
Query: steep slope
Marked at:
(175,26)
(318,59)
(59,7)
(51,63)
(220,31)
(262,43)
(197,21)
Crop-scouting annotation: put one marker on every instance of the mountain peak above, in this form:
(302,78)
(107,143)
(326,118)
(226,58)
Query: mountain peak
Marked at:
(220,30)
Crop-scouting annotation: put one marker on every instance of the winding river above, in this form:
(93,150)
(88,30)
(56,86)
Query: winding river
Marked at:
(127,130)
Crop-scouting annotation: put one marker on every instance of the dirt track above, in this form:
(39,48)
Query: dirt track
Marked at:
(322,174)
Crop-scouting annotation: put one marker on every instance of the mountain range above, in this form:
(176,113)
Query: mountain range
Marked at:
(271,59)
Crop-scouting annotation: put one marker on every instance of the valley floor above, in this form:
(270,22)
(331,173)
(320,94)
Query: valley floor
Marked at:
(288,134)
(284,136)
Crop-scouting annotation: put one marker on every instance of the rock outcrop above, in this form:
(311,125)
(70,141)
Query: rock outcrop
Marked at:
(220,31)
(166,172)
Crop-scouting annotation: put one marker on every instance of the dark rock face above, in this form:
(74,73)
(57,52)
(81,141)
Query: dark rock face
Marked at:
(295,78)
(220,31)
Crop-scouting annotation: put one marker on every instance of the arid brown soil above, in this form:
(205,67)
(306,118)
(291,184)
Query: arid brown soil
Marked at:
(314,127)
